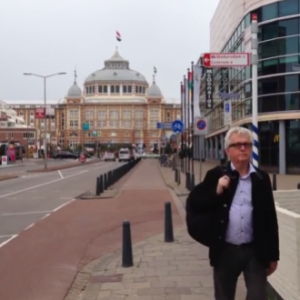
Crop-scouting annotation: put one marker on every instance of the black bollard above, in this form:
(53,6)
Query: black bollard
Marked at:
(101,189)
(178,177)
(298,186)
(169,237)
(187,180)
(192,181)
(127,258)
(274,182)
(97,186)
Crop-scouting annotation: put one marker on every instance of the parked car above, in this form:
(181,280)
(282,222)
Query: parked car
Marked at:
(109,156)
(65,155)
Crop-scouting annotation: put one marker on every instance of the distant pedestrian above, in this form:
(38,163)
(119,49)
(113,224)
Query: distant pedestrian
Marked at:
(233,213)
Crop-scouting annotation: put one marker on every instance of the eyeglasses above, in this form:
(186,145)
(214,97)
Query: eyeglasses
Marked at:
(241,145)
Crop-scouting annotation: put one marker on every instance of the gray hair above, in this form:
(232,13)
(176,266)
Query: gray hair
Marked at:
(237,130)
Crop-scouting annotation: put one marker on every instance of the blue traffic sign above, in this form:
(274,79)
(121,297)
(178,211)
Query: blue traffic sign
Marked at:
(227,107)
(164,125)
(201,125)
(177,126)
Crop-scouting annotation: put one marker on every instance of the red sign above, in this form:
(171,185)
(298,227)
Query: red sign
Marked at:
(40,113)
(226,60)
(253,17)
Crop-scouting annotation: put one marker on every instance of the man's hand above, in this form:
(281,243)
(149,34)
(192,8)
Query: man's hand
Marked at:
(223,184)
(272,268)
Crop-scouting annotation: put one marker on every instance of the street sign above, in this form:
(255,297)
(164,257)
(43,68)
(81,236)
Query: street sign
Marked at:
(85,126)
(226,60)
(40,113)
(164,125)
(227,112)
(200,126)
(177,126)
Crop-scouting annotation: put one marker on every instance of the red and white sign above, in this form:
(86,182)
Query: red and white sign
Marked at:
(226,60)
(40,113)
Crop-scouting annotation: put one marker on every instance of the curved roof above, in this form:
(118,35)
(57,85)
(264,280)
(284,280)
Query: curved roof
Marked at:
(154,91)
(74,91)
(116,69)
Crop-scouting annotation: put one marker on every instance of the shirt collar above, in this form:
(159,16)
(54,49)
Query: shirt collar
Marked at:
(251,170)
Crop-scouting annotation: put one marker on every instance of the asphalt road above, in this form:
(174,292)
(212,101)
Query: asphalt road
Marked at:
(25,200)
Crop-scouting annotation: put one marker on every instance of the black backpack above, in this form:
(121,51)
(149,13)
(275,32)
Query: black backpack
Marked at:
(199,226)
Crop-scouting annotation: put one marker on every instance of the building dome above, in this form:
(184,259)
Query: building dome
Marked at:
(154,91)
(116,69)
(74,91)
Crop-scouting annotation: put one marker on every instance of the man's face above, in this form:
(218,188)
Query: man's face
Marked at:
(240,147)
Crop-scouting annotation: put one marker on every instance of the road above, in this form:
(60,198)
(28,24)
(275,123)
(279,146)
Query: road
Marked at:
(25,200)
(22,168)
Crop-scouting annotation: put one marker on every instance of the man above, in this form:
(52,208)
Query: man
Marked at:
(242,228)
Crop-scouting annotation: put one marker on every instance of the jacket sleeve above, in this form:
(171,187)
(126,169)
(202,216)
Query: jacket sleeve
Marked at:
(271,223)
(204,197)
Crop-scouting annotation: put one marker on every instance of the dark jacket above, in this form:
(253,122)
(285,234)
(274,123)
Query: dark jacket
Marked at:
(204,200)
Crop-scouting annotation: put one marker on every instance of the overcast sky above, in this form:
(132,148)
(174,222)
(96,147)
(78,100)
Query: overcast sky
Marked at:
(49,36)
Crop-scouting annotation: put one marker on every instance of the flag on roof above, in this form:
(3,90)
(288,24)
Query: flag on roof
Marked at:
(118,36)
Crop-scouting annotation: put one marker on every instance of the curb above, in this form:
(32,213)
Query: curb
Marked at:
(84,289)
(177,192)
(63,167)
(9,177)
(105,195)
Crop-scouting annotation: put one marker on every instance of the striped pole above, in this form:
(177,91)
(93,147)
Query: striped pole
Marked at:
(254,61)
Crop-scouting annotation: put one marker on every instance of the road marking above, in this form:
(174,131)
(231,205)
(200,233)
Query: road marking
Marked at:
(45,216)
(28,227)
(61,176)
(6,236)
(61,206)
(40,185)
(25,213)
(7,241)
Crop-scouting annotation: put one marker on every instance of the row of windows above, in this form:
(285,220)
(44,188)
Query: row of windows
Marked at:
(279,29)
(282,46)
(115,89)
(279,84)
(265,13)
(115,124)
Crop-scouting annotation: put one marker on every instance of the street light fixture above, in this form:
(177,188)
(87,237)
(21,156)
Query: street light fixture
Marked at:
(45,106)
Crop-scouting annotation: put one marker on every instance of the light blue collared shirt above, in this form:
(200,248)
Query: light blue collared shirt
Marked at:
(239,230)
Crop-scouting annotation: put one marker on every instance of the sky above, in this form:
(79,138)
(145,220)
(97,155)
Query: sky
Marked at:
(50,36)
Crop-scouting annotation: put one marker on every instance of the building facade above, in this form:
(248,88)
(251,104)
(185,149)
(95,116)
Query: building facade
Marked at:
(278,80)
(116,106)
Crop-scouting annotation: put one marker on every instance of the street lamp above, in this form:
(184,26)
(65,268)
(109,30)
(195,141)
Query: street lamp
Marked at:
(45,106)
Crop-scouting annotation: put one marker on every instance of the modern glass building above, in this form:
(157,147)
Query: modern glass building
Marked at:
(278,80)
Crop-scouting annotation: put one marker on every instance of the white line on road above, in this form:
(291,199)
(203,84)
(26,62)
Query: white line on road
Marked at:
(61,176)
(28,227)
(40,185)
(7,241)
(25,213)
(6,236)
(61,206)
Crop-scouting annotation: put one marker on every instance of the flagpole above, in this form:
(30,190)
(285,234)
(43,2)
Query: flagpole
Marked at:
(191,85)
(182,119)
(189,128)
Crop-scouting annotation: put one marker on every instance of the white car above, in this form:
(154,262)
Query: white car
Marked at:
(124,154)
(109,156)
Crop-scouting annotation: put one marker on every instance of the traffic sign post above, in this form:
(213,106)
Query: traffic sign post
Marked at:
(227,112)
(226,60)
(164,125)
(200,126)
(177,126)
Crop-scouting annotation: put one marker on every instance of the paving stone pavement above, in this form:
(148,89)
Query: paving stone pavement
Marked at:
(162,271)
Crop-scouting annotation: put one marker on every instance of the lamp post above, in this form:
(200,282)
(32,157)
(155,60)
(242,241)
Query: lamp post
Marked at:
(45,106)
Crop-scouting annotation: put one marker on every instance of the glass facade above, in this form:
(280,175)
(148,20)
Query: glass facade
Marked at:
(278,79)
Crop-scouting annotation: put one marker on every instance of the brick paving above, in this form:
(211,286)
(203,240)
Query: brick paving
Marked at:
(177,271)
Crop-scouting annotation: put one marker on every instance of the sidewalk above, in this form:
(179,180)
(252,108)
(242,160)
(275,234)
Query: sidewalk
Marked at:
(162,271)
